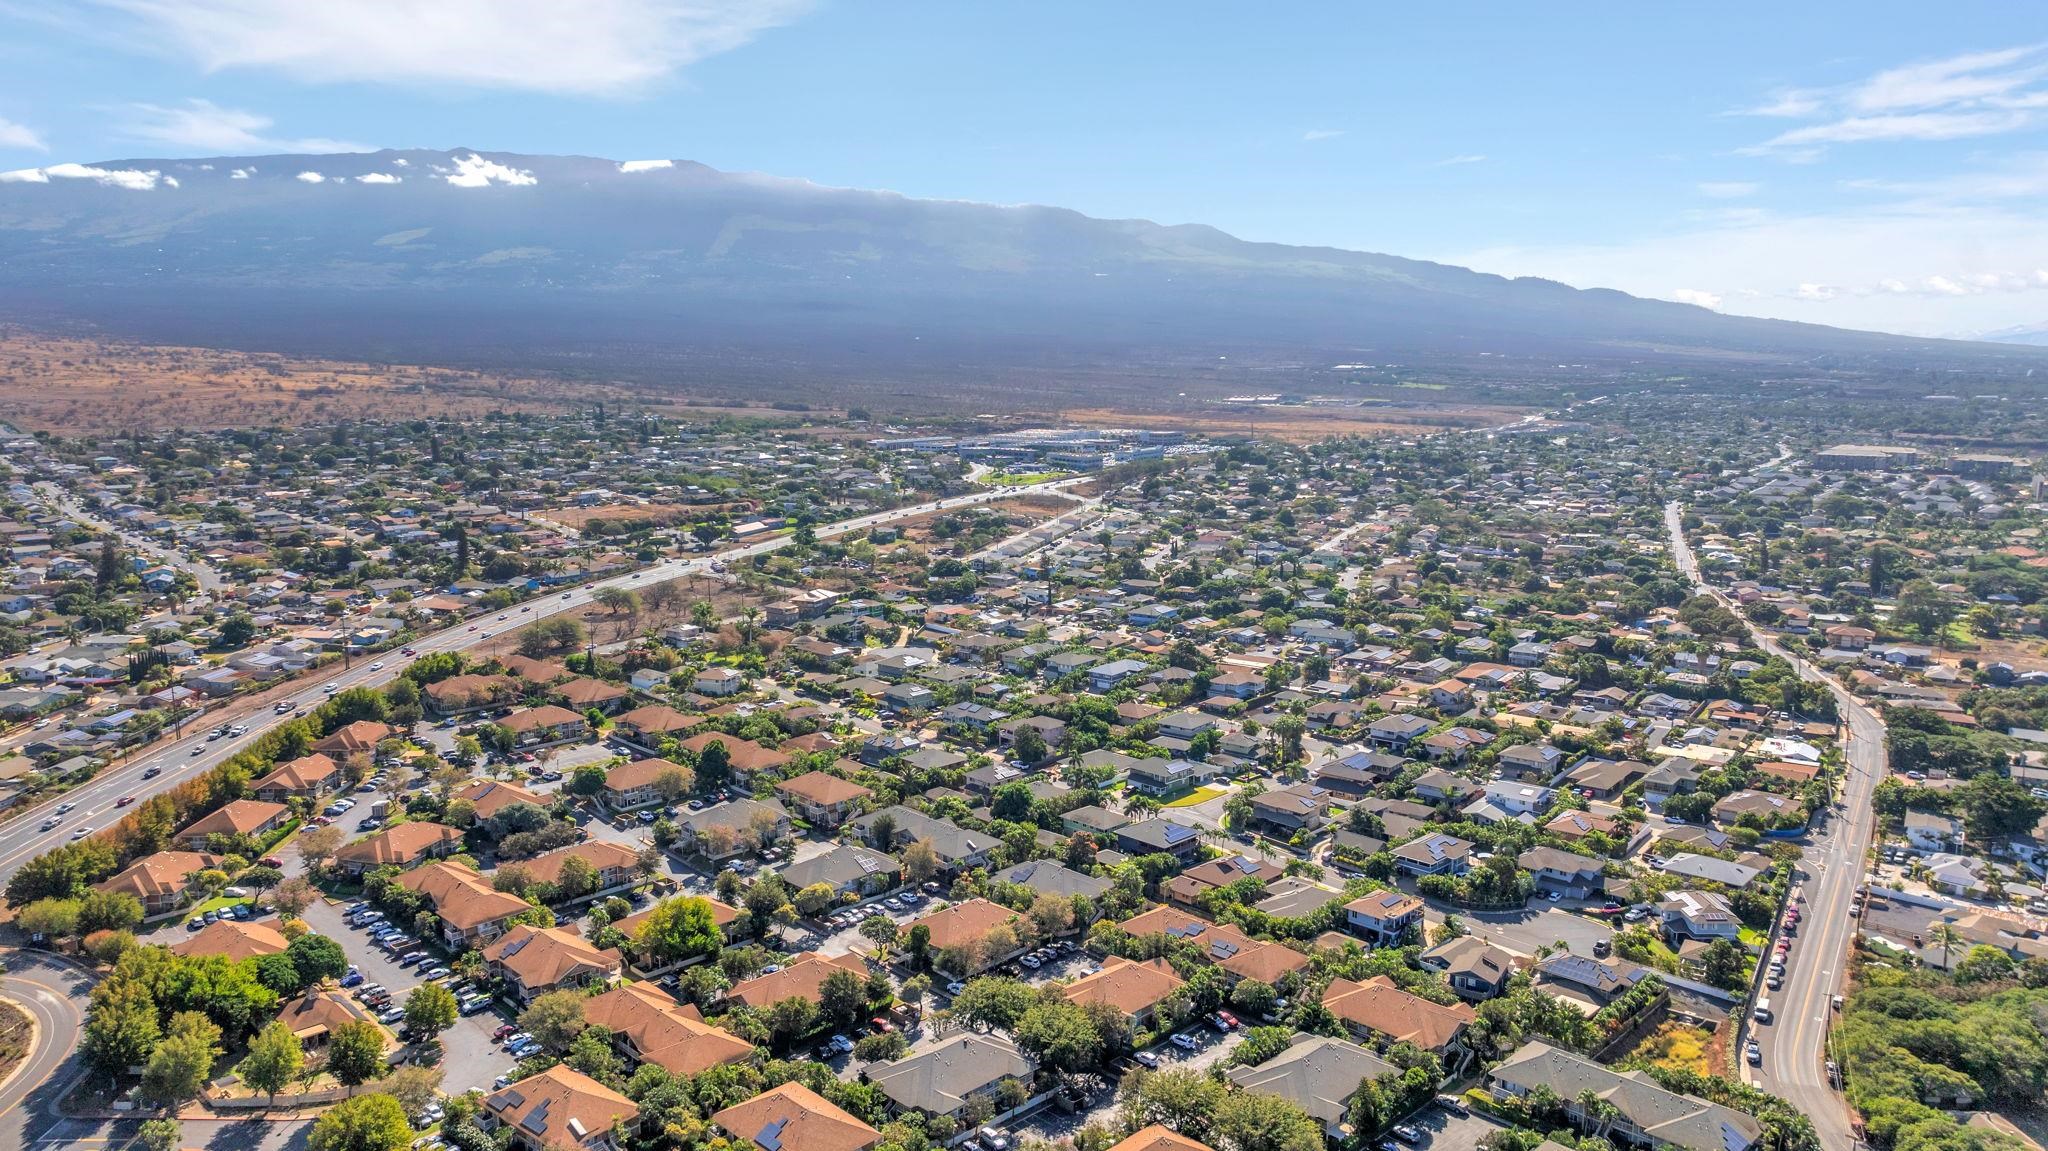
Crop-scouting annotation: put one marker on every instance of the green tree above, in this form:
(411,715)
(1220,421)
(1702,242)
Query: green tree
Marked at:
(993,1001)
(842,998)
(275,1058)
(178,1068)
(108,911)
(678,928)
(1182,1100)
(49,918)
(364,1123)
(355,1053)
(429,1010)
(554,1020)
(1060,1035)
(161,1134)
(317,957)
(121,1026)
(592,1054)
(1256,1121)
(588,779)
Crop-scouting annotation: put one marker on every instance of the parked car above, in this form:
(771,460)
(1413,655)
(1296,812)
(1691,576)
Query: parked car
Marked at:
(1407,1133)
(1754,1054)
(1186,1041)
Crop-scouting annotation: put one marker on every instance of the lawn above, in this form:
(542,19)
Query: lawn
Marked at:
(1024,479)
(1201,794)
(1751,937)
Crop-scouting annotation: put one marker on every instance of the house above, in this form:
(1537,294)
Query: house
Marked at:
(1434,854)
(358,738)
(1357,773)
(1450,696)
(1049,878)
(723,916)
(463,694)
(471,911)
(1929,832)
(316,1015)
(1578,825)
(1163,777)
(1105,677)
(1439,786)
(1287,810)
(647,1025)
(1318,1074)
(308,777)
(1377,1011)
(1159,835)
(942,1079)
(718,681)
(1383,917)
(1052,732)
(586,695)
(1475,969)
(545,726)
(800,978)
(560,1109)
(638,784)
(1529,762)
(643,728)
(850,870)
(821,799)
(1605,778)
(254,818)
(1226,946)
(1639,1113)
(1396,732)
(1570,876)
(234,941)
(532,961)
(400,845)
(746,756)
(735,827)
(1727,873)
(1135,990)
(1698,915)
(958,849)
(960,936)
(490,798)
(1596,982)
(1188,886)
(613,866)
(162,882)
(793,1117)
(1763,806)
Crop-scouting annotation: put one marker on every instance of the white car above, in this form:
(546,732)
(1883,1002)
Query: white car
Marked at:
(378,666)
(81,833)
(1186,1041)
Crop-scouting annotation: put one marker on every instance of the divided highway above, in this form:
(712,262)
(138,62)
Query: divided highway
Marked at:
(93,804)
(1795,1045)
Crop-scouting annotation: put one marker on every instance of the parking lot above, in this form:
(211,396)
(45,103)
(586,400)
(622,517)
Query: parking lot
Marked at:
(1052,1124)
(1523,932)
(1444,1131)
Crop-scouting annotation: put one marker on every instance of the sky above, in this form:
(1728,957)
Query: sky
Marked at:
(1870,164)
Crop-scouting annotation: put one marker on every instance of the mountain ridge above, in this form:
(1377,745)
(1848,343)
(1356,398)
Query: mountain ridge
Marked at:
(452,255)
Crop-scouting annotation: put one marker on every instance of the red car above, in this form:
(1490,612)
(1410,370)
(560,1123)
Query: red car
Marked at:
(1229,1020)
(503,1030)
(271,861)
(409,651)
(124,801)
(881,1025)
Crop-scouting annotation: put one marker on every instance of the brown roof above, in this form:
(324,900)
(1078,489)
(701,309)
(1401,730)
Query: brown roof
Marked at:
(658,718)
(598,853)
(300,774)
(402,844)
(639,773)
(1159,1138)
(1377,1005)
(238,817)
(800,979)
(318,1012)
(822,788)
(545,956)
(964,922)
(461,896)
(463,690)
(164,873)
(491,796)
(1127,986)
(584,692)
(535,718)
(1220,943)
(362,736)
(234,940)
(1384,905)
(722,915)
(661,1031)
(747,756)
(562,1108)
(537,670)
(794,1116)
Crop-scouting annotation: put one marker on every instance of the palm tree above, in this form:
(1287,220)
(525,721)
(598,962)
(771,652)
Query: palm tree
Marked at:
(1945,935)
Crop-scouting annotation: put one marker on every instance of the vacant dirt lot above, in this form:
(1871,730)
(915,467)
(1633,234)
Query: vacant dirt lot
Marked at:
(1302,423)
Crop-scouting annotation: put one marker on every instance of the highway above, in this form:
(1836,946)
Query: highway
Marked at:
(94,803)
(1795,1045)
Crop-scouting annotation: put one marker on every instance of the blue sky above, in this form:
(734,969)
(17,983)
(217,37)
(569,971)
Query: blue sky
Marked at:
(1869,164)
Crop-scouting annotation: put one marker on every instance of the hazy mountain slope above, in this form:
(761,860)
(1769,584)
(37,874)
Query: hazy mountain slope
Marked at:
(456,255)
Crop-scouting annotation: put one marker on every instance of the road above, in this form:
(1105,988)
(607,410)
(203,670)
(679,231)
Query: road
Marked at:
(209,580)
(54,994)
(22,837)
(1795,1046)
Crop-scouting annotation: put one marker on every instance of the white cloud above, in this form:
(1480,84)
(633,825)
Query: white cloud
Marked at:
(645,165)
(380,178)
(594,47)
(241,173)
(1955,98)
(129,178)
(1695,296)
(473,171)
(312,178)
(1315,134)
(1728,189)
(402,162)
(1946,286)
(13,135)
(1814,292)
(1467,158)
(170,181)
(203,126)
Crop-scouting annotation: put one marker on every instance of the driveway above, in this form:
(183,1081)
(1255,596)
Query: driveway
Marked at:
(1522,932)
(1443,1131)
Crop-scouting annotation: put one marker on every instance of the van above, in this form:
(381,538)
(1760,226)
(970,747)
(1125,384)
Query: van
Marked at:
(1762,1014)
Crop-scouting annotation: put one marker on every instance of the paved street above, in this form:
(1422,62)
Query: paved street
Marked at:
(53,993)
(1794,1047)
